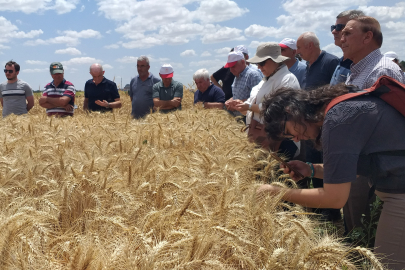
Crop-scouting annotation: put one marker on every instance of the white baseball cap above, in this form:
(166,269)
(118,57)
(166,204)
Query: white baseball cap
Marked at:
(241,48)
(166,71)
(288,43)
(391,55)
(234,57)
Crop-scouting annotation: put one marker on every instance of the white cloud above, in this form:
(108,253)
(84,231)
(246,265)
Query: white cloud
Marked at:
(107,66)
(223,34)
(153,22)
(70,50)
(254,44)
(213,10)
(333,49)
(143,43)
(32,6)
(188,53)
(205,54)
(82,8)
(112,46)
(18,21)
(223,51)
(128,59)
(70,38)
(35,62)
(10,31)
(35,70)
(81,61)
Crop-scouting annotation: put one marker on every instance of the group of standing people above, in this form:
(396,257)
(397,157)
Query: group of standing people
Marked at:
(287,99)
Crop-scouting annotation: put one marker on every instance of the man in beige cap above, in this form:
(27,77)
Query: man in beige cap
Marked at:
(276,75)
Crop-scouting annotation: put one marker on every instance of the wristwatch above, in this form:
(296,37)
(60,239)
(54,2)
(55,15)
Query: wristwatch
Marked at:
(250,107)
(203,104)
(108,105)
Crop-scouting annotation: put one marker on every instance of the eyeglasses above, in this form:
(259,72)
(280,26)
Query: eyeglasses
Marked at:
(262,63)
(8,70)
(337,27)
(286,134)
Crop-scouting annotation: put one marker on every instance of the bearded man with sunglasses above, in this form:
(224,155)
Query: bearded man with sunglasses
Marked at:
(15,95)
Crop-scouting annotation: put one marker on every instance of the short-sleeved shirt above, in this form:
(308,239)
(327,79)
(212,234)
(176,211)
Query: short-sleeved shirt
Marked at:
(359,136)
(243,84)
(141,94)
(14,97)
(212,94)
(227,78)
(342,71)
(321,71)
(366,72)
(105,90)
(168,93)
(299,69)
(65,88)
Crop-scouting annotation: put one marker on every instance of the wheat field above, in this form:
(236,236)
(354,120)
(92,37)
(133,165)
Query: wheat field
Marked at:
(172,191)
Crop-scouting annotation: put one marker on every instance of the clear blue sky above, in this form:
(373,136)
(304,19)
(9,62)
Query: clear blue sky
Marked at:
(187,34)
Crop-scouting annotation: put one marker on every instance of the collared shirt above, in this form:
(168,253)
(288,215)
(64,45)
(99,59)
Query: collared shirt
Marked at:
(366,72)
(212,94)
(243,84)
(341,72)
(321,71)
(141,93)
(299,69)
(65,88)
(105,90)
(168,93)
(14,96)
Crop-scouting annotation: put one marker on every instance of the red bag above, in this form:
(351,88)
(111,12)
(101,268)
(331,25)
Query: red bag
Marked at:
(386,88)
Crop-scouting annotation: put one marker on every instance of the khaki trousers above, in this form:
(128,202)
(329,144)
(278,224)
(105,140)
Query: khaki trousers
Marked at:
(390,237)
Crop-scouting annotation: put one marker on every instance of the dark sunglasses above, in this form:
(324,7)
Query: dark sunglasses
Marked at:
(262,63)
(338,27)
(8,70)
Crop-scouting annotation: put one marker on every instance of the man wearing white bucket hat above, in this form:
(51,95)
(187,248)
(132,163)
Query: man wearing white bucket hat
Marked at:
(168,93)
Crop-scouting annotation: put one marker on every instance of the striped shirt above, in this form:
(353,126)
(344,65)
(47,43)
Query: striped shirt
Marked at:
(14,96)
(65,88)
(243,84)
(366,72)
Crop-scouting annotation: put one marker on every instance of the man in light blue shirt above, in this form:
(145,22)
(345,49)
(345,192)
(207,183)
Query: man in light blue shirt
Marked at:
(296,67)
(245,79)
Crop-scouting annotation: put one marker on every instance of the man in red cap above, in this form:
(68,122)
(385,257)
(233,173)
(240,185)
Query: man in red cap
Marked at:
(168,93)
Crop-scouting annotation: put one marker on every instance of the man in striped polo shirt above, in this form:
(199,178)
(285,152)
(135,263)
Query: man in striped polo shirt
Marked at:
(15,95)
(59,95)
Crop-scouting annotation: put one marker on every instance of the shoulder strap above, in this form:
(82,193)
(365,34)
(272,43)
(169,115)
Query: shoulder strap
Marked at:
(343,98)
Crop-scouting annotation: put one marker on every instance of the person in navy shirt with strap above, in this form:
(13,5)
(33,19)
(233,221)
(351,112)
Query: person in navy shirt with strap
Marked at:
(210,95)
(100,94)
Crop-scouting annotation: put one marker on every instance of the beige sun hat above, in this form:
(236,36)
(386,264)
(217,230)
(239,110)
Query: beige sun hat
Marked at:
(268,50)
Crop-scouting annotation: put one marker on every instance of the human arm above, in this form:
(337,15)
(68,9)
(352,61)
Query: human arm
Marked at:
(1,100)
(166,104)
(29,96)
(330,196)
(116,104)
(86,104)
(214,81)
(213,105)
(304,169)
(51,102)
(30,102)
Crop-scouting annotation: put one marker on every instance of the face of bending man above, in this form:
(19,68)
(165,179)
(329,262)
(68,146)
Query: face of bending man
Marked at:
(97,73)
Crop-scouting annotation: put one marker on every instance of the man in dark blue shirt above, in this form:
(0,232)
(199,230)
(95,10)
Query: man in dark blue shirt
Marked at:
(100,94)
(320,64)
(210,95)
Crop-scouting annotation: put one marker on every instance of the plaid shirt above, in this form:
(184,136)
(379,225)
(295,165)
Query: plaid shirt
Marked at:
(366,72)
(243,84)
